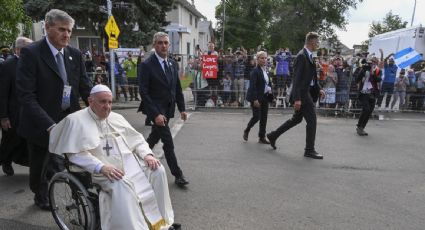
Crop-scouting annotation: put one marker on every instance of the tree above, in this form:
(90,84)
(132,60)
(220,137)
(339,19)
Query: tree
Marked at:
(294,18)
(12,15)
(280,23)
(149,16)
(245,22)
(389,23)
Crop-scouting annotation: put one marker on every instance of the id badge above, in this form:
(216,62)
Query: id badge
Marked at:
(66,97)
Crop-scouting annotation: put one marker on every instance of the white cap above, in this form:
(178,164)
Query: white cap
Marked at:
(100,88)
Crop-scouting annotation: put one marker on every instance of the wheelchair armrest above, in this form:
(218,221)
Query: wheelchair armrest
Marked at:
(81,174)
(72,168)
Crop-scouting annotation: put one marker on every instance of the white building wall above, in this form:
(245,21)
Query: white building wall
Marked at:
(188,38)
(174,15)
(37,30)
(203,43)
(204,34)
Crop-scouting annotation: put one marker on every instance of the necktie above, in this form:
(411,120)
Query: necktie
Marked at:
(61,67)
(167,71)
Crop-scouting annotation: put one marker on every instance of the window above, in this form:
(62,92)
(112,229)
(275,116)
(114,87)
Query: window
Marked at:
(188,48)
(92,44)
(196,22)
(190,20)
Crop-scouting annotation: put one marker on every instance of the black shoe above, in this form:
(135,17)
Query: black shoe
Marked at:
(43,205)
(263,141)
(181,181)
(131,99)
(245,135)
(7,169)
(313,154)
(137,99)
(361,132)
(175,226)
(272,140)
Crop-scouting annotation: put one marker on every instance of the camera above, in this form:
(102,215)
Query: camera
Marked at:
(367,66)
(177,58)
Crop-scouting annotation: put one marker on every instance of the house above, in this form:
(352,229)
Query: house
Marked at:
(188,28)
(336,47)
(206,34)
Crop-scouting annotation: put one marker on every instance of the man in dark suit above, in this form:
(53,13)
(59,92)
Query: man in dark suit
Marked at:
(160,88)
(12,147)
(259,94)
(305,92)
(50,79)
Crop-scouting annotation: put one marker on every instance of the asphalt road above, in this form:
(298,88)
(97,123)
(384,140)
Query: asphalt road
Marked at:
(374,182)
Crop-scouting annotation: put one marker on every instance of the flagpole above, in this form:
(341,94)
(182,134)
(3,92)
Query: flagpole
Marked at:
(413,15)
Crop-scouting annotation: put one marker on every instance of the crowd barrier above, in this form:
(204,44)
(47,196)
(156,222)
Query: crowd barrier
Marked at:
(335,102)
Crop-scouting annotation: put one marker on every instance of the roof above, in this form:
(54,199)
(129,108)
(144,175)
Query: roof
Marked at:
(191,8)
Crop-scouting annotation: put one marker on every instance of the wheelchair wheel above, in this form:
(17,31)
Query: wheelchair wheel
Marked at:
(71,207)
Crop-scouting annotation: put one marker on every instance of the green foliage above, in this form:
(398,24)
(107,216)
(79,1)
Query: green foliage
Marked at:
(389,23)
(245,22)
(12,15)
(148,15)
(280,23)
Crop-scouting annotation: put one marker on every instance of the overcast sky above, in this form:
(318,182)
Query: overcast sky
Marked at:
(358,19)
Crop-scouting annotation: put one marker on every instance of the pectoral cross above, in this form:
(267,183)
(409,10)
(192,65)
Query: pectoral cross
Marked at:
(107,148)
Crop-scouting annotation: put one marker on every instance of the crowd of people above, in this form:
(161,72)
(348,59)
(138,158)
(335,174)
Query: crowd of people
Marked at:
(336,75)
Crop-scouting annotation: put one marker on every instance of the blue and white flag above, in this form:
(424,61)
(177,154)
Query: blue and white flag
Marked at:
(406,57)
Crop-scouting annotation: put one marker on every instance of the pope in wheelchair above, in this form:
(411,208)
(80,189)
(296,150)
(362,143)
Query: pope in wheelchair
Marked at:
(133,183)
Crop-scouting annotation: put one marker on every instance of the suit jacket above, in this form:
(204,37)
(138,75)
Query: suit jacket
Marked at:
(159,95)
(257,85)
(304,73)
(40,88)
(9,105)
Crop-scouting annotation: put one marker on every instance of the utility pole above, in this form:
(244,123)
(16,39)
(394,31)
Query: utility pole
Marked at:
(111,55)
(413,15)
(224,22)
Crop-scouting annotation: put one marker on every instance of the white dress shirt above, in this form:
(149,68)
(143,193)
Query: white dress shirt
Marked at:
(161,61)
(53,49)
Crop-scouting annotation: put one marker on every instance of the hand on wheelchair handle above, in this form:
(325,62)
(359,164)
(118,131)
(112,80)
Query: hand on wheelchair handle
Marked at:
(112,173)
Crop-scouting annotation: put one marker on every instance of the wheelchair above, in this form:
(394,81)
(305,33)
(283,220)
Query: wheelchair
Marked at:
(74,199)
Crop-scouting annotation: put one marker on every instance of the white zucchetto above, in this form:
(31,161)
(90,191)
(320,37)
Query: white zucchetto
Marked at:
(100,88)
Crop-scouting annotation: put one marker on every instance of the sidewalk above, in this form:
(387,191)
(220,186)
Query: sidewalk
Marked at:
(189,100)
(122,104)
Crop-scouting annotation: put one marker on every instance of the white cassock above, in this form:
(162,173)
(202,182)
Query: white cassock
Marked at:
(141,199)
